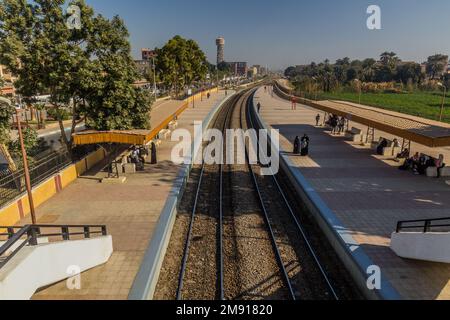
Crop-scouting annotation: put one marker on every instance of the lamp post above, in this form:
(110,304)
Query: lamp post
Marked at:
(25,168)
(441,113)
(315,88)
(154,76)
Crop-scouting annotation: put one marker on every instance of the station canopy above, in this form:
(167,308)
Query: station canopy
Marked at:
(430,133)
(423,131)
(130,137)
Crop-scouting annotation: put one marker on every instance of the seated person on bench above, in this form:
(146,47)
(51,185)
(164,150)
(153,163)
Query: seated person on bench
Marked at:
(137,159)
(424,163)
(383,144)
(411,163)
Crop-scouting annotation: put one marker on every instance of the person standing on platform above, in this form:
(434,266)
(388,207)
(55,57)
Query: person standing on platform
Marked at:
(317,120)
(154,159)
(439,163)
(305,145)
(334,124)
(259,107)
(294,104)
(341,125)
(297,145)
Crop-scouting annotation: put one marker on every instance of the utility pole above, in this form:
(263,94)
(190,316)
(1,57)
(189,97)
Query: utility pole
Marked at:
(154,76)
(217,77)
(441,114)
(25,169)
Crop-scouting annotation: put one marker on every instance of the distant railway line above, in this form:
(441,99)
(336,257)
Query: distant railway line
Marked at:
(243,236)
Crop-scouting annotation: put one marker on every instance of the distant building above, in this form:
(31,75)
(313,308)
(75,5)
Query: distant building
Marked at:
(9,79)
(220,42)
(252,72)
(423,68)
(258,68)
(143,84)
(239,68)
(148,54)
(263,71)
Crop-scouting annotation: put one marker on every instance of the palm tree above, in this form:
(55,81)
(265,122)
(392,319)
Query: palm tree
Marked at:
(368,71)
(389,59)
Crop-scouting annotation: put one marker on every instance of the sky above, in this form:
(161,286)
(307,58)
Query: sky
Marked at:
(288,32)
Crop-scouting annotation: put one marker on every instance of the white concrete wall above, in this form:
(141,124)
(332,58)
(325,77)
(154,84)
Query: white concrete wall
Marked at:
(434,247)
(36,267)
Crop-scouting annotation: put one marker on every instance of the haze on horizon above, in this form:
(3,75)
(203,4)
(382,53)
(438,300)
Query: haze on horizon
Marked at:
(288,32)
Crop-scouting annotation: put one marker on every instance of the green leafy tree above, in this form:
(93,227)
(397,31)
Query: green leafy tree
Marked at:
(389,59)
(409,72)
(221,71)
(6,111)
(113,102)
(226,67)
(78,68)
(290,72)
(368,69)
(386,72)
(31,144)
(180,62)
(436,65)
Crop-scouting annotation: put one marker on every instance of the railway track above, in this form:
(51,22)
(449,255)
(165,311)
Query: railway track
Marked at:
(240,236)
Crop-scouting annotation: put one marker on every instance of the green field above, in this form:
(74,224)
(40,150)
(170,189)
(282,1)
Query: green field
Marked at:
(422,104)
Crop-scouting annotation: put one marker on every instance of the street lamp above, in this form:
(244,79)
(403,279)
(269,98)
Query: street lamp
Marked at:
(315,88)
(25,168)
(441,114)
(154,76)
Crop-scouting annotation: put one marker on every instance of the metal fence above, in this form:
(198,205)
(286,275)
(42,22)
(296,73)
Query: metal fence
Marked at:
(12,184)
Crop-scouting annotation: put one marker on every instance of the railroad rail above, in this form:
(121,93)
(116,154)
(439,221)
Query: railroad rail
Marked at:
(269,209)
(296,221)
(220,121)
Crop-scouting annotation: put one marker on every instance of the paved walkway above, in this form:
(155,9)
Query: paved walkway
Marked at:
(368,194)
(130,211)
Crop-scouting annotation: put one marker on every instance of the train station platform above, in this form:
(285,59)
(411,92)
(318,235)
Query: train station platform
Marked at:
(130,211)
(367,193)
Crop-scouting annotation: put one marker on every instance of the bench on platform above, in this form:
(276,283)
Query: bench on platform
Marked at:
(432,172)
(354,134)
(390,150)
(164,134)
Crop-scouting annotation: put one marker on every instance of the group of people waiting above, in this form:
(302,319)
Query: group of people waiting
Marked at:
(419,163)
(301,146)
(336,123)
(138,155)
(384,143)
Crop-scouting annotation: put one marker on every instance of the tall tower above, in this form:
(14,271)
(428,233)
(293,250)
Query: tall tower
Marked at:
(220,42)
